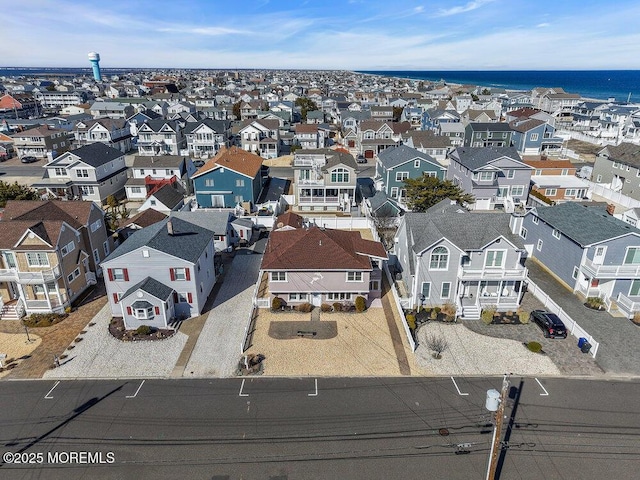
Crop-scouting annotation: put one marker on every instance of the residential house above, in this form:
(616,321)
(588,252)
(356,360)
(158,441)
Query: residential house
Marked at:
(381,113)
(219,222)
(115,133)
(54,101)
(160,137)
(163,272)
(489,134)
(478,116)
(343,266)
(232,177)
(589,250)
(151,173)
(206,137)
(18,105)
(45,266)
(425,141)
(433,118)
(324,180)
(41,141)
(496,177)
(555,181)
(138,221)
(619,167)
(454,131)
(261,137)
(6,147)
(100,109)
(373,136)
(92,172)
(535,137)
(165,198)
(450,255)
(399,163)
(309,136)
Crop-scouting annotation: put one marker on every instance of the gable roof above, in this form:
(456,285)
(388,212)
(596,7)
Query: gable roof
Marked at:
(168,196)
(215,221)
(477,157)
(583,224)
(627,153)
(152,287)
(12,231)
(332,250)
(146,217)
(394,156)
(235,159)
(289,219)
(75,212)
(96,154)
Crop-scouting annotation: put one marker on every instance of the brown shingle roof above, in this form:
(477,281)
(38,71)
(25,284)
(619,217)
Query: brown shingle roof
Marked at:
(145,218)
(319,249)
(75,213)
(289,219)
(11,231)
(235,159)
(306,128)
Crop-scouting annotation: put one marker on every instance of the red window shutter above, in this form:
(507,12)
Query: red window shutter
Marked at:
(189,298)
(110,273)
(157,310)
(126,274)
(172,273)
(128,310)
(115,298)
(188,273)
(175,297)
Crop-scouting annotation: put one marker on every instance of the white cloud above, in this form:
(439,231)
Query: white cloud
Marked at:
(446,12)
(208,31)
(543,25)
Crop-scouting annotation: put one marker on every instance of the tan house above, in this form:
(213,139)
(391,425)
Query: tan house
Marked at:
(39,141)
(555,180)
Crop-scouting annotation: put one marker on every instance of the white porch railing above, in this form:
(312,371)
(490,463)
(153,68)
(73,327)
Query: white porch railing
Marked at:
(572,326)
(627,306)
(493,274)
(610,271)
(36,276)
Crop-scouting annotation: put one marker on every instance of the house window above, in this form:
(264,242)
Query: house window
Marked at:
(118,274)
(208,182)
(446,290)
(535,220)
(550,192)
(439,259)
(494,258)
(152,202)
(105,247)
(240,182)
(538,172)
(632,256)
(534,137)
(82,173)
(430,174)
(426,289)
(340,175)
(394,192)
(87,190)
(339,296)
(68,248)
(278,276)
(136,189)
(238,198)
(539,245)
(556,234)
(401,176)
(416,164)
(354,276)
(60,172)
(10,259)
(574,275)
(96,225)
(570,192)
(374,285)
(179,274)
(523,233)
(517,190)
(303,297)
(96,256)
(143,313)
(73,275)
(634,291)
(511,173)
(37,259)
(565,171)
(486,176)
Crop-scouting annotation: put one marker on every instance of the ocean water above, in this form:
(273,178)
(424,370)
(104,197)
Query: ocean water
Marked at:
(598,84)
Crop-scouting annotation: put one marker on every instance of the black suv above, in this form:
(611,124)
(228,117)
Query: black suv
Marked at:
(550,323)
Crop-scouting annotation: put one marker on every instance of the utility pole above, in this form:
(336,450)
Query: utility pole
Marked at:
(497,428)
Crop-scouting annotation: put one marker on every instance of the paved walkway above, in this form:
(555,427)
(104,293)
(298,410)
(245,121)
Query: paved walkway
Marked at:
(55,339)
(218,348)
(394,331)
(619,338)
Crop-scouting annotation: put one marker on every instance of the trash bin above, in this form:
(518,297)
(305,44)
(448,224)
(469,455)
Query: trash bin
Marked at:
(586,346)
(581,342)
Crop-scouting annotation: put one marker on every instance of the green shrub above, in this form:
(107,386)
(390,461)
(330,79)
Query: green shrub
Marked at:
(276,303)
(411,321)
(437,310)
(304,307)
(534,347)
(523,317)
(325,307)
(449,309)
(337,307)
(595,302)
(487,314)
(143,330)
(433,314)
(361,304)
(36,320)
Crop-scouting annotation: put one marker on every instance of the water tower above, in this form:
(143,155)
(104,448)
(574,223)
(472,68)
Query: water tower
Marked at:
(94,58)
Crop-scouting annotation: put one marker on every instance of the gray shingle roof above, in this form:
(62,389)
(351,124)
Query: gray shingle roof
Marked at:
(392,157)
(215,221)
(168,196)
(584,224)
(97,154)
(477,157)
(152,287)
(187,242)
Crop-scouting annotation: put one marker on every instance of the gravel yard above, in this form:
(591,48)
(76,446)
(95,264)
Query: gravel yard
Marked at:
(469,353)
(15,346)
(99,355)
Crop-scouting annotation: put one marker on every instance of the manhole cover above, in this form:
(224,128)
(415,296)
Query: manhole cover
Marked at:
(443,432)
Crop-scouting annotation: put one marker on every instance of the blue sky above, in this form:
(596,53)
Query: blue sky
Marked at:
(324,34)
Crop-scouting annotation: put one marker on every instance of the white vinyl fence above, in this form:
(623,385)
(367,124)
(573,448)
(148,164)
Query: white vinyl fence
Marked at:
(399,306)
(616,197)
(573,327)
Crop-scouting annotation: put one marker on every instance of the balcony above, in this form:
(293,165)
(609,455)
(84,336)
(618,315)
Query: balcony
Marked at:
(311,181)
(518,273)
(304,162)
(31,277)
(591,269)
(627,306)
(319,200)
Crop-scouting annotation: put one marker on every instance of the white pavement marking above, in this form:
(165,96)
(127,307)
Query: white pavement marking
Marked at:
(241,387)
(139,387)
(314,394)
(456,385)
(49,392)
(545,394)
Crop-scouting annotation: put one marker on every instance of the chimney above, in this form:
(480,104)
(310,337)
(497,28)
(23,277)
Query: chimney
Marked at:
(170,227)
(611,208)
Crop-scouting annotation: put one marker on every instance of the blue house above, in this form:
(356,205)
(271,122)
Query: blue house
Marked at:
(230,178)
(532,136)
(398,163)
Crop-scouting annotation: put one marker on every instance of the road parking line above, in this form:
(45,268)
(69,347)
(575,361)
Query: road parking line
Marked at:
(314,394)
(456,385)
(545,394)
(139,387)
(241,387)
(49,392)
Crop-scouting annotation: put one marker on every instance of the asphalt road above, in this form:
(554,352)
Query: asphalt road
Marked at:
(287,429)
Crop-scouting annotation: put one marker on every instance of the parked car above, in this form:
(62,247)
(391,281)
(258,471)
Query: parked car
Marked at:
(198,163)
(550,323)
(28,159)
(361,159)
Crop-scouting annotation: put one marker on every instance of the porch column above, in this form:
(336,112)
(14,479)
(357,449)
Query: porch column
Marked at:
(500,291)
(46,295)
(520,294)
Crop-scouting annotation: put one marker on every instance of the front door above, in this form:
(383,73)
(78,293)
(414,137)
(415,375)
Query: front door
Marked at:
(598,256)
(316,299)
(217,201)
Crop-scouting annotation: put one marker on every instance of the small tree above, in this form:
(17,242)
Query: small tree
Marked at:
(306,105)
(425,192)
(438,344)
(15,191)
(361,304)
(276,303)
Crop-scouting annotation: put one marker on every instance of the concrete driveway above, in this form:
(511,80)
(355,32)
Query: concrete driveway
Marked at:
(619,338)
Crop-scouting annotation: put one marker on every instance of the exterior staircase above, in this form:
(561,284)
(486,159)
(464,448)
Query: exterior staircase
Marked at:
(10,311)
(470,312)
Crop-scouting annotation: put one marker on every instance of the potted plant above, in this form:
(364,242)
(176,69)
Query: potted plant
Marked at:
(595,303)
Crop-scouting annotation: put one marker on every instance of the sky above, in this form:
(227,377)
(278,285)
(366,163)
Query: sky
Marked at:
(324,34)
